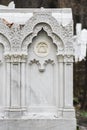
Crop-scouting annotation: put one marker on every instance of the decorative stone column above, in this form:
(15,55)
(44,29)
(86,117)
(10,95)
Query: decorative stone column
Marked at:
(60,84)
(15,77)
(7,78)
(68,110)
(23,81)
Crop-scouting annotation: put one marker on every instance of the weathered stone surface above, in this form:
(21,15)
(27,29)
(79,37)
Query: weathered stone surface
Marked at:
(79,7)
(36,69)
(37,124)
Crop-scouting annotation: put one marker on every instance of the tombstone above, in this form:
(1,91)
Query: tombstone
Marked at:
(80,41)
(11,5)
(36,69)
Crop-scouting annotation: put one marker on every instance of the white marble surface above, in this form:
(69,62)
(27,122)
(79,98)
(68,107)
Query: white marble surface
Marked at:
(38,124)
(80,42)
(37,62)
(11,5)
(20,16)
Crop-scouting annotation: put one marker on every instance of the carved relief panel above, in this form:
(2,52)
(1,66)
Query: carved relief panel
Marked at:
(42,69)
(41,49)
(34,65)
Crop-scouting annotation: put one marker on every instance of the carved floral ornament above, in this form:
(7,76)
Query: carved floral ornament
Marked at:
(17,38)
(42,66)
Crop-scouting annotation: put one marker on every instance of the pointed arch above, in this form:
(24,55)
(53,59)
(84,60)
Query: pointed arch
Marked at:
(37,28)
(5,42)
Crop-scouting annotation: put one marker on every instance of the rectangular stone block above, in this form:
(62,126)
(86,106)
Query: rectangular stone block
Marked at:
(38,124)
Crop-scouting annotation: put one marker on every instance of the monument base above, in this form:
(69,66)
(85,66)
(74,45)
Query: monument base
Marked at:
(38,124)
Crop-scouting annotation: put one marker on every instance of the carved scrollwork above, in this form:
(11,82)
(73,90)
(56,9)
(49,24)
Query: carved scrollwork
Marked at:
(15,38)
(41,66)
(18,39)
(67,32)
(49,61)
(13,35)
(34,61)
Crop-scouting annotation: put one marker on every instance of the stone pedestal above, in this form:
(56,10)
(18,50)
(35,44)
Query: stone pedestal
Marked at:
(38,124)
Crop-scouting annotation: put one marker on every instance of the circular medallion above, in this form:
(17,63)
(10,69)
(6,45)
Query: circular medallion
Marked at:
(41,49)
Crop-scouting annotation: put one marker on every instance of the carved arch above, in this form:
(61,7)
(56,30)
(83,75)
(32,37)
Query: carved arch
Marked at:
(5,42)
(56,39)
(5,34)
(41,17)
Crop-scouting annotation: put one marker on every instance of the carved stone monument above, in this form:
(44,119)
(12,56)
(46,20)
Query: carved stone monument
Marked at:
(36,69)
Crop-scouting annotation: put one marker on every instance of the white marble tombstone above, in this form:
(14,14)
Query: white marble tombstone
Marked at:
(36,69)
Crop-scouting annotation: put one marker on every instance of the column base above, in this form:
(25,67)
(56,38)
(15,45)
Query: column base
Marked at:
(14,113)
(68,113)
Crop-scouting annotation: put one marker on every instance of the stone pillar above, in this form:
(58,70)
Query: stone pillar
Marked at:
(4,84)
(60,84)
(15,84)
(8,94)
(68,87)
(7,84)
(23,82)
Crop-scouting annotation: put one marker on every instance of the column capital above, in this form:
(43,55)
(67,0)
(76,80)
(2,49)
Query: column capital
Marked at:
(60,58)
(65,58)
(15,57)
(68,58)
